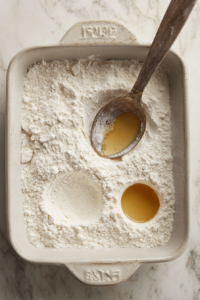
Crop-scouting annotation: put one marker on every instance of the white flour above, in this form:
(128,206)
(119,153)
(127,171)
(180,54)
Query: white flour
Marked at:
(72,195)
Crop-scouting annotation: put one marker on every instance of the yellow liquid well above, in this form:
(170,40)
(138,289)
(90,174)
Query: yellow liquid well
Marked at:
(122,133)
(140,203)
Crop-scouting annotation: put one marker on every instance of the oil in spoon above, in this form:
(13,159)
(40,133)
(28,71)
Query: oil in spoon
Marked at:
(140,203)
(121,134)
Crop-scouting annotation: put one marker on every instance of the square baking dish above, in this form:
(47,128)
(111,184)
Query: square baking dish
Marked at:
(105,40)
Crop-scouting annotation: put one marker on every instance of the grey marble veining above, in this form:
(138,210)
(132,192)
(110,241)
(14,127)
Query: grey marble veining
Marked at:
(42,22)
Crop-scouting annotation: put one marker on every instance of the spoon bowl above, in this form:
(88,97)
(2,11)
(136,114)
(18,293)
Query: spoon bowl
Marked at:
(126,103)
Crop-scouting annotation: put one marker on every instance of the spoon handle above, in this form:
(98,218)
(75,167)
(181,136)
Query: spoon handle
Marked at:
(170,27)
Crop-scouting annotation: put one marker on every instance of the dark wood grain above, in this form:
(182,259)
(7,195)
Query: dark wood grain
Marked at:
(170,27)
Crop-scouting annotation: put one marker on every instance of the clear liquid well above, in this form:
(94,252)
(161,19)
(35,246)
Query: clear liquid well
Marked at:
(140,203)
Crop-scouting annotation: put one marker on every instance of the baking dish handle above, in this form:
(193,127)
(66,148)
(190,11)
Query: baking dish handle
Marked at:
(103,273)
(97,32)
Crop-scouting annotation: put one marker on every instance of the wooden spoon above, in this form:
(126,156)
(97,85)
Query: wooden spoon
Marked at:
(171,25)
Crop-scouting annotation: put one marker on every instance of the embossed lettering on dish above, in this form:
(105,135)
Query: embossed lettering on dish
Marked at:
(102,276)
(98,32)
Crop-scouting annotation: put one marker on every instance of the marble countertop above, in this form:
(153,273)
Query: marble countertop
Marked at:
(41,22)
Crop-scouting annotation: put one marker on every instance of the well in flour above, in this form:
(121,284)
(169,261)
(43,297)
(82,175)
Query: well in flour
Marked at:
(60,100)
(73,197)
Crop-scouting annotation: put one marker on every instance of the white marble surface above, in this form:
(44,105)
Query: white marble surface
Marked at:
(42,22)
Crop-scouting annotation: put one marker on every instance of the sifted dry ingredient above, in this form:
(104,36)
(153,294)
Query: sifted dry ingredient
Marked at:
(72,196)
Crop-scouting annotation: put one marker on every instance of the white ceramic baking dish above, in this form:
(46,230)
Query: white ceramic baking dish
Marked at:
(106,40)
